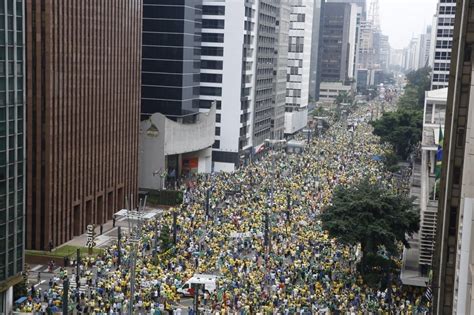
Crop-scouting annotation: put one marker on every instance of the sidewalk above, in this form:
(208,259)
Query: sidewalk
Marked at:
(109,232)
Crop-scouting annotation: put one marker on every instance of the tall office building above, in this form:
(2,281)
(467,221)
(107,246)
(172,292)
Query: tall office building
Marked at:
(171,57)
(12,152)
(360,3)
(413,54)
(315,48)
(83,96)
(396,58)
(443,42)
(299,64)
(338,42)
(267,40)
(384,52)
(280,65)
(453,262)
(174,140)
(228,77)
(425,48)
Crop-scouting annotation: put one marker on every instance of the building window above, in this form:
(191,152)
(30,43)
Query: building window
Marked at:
(211,64)
(206,104)
(213,10)
(212,51)
(218,131)
(213,91)
(212,38)
(211,77)
(213,24)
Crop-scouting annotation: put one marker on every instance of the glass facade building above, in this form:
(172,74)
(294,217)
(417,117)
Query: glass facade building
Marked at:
(171,57)
(12,153)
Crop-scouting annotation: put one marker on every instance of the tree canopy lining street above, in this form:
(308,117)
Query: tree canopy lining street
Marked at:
(372,215)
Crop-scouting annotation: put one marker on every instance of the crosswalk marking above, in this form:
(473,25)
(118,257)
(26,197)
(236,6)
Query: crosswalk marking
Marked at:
(37,267)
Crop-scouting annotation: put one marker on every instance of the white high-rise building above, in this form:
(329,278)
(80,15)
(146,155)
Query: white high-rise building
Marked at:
(414,53)
(443,43)
(228,55)
(244,48)
(299,62)
(432,42)
(425,48)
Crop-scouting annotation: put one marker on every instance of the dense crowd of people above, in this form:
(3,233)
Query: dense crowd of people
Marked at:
(264,241)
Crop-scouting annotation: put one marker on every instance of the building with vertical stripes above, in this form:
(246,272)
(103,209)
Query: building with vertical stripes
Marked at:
(12,149)
(299,65)
(83,104)
(453,262)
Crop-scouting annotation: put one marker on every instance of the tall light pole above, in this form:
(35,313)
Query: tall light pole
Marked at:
(135,217)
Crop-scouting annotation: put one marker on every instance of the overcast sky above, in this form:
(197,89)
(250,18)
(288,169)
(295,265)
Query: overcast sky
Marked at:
(400,19)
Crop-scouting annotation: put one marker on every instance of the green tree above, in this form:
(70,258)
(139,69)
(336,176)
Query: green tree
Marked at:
(409,99)
(391,161)
(372,216)
(401,129)
(420,81)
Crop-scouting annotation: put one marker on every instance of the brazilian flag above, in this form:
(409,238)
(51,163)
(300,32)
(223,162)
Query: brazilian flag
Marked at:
(439,154)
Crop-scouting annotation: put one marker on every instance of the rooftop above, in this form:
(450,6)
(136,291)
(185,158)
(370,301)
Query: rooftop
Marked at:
(437,95)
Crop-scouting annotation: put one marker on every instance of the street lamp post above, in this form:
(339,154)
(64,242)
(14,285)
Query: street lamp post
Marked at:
(66,296)
(78,271)
(119,245)
(135,218)
(175,227)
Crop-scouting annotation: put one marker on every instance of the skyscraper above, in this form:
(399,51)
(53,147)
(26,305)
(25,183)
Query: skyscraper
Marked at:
(299,64)
(267,38)
(83,96)
(173,138)
(12,151)
(315,47)
(338,42)
(443,42)
(280,65)
(171,57)
(228,77)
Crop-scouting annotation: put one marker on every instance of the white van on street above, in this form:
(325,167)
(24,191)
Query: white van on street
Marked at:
(208,281)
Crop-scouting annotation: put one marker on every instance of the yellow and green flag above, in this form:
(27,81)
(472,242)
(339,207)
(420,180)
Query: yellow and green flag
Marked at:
(439,154)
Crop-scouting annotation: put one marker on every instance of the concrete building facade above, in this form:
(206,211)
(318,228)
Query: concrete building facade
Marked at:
(315,48)
(171,63)
(228,66)
(336,49)
(433,124)
(453,265)
(299,65)
(189,144)
(171,52)
(265,79)
(83,97)
(443,42)
(280,65)
(12,149)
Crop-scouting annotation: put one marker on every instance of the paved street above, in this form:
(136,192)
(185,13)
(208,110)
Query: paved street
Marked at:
(270,253)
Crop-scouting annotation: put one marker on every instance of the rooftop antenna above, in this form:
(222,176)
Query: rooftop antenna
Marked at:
(374,14)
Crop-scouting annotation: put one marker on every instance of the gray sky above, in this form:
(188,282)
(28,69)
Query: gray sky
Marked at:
(402,18)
